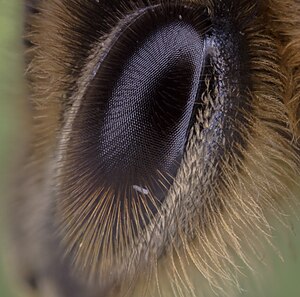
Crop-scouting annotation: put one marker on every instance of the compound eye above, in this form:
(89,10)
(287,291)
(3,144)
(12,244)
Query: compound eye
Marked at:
(146,131)
(135,125)
(134,120)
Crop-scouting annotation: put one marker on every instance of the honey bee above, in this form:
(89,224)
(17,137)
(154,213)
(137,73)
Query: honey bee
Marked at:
(164,141)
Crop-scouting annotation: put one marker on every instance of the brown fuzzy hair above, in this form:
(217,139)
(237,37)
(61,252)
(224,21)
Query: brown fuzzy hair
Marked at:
(205,222)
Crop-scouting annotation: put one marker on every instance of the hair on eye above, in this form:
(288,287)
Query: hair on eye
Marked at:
(165,139)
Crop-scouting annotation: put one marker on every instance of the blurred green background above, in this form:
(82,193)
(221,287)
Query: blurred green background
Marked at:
(278,280)
(10,96)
